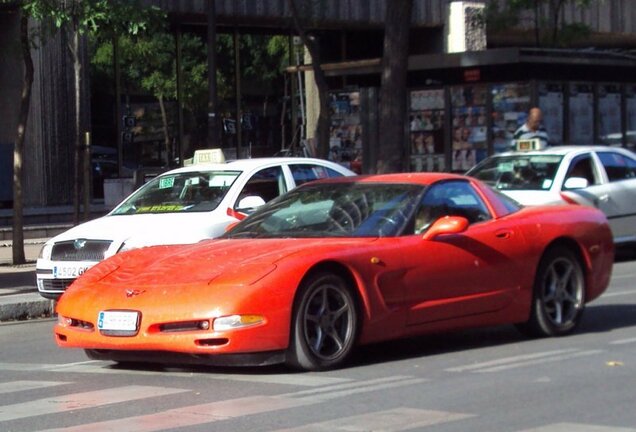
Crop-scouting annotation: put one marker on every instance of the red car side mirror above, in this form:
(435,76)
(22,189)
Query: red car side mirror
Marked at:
(446,225)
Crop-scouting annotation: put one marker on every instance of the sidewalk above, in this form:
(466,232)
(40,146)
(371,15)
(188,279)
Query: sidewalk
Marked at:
(19,299)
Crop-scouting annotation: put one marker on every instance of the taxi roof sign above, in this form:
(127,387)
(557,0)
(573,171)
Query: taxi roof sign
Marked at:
(214,155)
(528,144)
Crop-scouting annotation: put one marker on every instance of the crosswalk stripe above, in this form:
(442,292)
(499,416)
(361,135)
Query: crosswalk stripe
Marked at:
(351,385)
(618,294)
(84,400)
(15,386)
(394,420)
(100,367)
(25,367)
(228,409)
(515,361)
(191,415)
(542,361)
(352,391)
(578,427)
(623,341)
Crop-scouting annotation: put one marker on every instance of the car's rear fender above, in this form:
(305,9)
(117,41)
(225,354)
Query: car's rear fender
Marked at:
(593,286)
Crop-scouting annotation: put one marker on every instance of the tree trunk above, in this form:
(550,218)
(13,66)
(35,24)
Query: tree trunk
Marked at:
(77,70)
(322,127)
(393,87)
(25,102)
(166,135)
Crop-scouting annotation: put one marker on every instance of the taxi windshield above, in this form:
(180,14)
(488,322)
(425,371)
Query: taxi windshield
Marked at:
(196,191)
(518,172)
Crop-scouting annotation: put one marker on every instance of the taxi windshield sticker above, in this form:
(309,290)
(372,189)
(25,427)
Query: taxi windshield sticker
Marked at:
(160,208)
(166,182)
(506,167)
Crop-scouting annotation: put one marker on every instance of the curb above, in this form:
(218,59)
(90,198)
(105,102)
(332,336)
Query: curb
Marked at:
(20,307)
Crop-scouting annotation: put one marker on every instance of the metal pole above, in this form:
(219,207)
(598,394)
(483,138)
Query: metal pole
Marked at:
(179,94)
(213,118)
(237,76)
(87,175)
(118,114)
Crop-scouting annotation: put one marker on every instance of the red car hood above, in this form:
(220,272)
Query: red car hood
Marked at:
(237,260)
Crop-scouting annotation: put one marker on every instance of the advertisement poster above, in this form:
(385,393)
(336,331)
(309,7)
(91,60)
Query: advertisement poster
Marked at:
(426,126)
(581,118)
(469,126)
(345,139)
(551,104)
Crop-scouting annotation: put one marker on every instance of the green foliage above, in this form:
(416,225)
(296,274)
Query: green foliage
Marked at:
(92,16)
(149,64)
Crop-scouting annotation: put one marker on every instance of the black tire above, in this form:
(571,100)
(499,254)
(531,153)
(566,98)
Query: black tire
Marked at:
(324,323)
(559,295)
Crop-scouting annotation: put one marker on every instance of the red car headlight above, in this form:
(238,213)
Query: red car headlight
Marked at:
(232,322)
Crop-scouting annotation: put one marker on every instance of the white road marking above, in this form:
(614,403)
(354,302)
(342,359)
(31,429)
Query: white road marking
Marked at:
(394,420)
(85,400)
(25,367)
(524,360)
(618,294)
(228,409)
(578,427)
(542,361)
(100,367)
(625,276)
(346,389)
(623,341)
(507,360)
(191,415)
(15,386)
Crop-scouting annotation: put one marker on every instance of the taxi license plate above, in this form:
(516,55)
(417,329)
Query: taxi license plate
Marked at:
(118,320)
(68,272)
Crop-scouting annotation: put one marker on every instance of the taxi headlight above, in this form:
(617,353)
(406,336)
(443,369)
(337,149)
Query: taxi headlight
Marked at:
(231,322)
(45,252)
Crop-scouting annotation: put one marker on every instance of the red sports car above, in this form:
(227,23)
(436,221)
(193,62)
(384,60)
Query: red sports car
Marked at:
(338,263)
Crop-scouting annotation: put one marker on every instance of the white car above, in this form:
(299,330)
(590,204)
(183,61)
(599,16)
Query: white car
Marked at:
(184,205)
(599,176)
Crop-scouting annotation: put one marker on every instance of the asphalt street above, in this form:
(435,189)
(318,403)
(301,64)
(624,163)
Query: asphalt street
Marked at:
(491,379)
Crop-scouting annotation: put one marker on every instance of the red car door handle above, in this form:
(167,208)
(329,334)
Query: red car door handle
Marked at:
(503,234)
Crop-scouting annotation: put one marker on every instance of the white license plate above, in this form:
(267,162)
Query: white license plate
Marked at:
(118,320)
(69,272)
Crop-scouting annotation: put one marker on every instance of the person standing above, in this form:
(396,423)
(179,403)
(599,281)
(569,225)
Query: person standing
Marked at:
(532,129)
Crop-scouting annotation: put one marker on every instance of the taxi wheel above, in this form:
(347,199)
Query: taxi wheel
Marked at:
(559,295)
(324,323)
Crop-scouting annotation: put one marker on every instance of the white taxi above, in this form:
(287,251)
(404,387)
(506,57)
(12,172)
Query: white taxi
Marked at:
(599,176)
(184,205)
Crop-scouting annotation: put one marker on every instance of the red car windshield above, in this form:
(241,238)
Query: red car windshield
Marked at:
(334,210)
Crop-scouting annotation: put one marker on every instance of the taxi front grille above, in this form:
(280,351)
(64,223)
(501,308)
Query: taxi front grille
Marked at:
(80,250)
(55,284)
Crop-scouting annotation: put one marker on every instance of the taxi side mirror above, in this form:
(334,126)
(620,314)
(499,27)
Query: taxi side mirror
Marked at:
(576,183)
(446,225)
(249,203)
